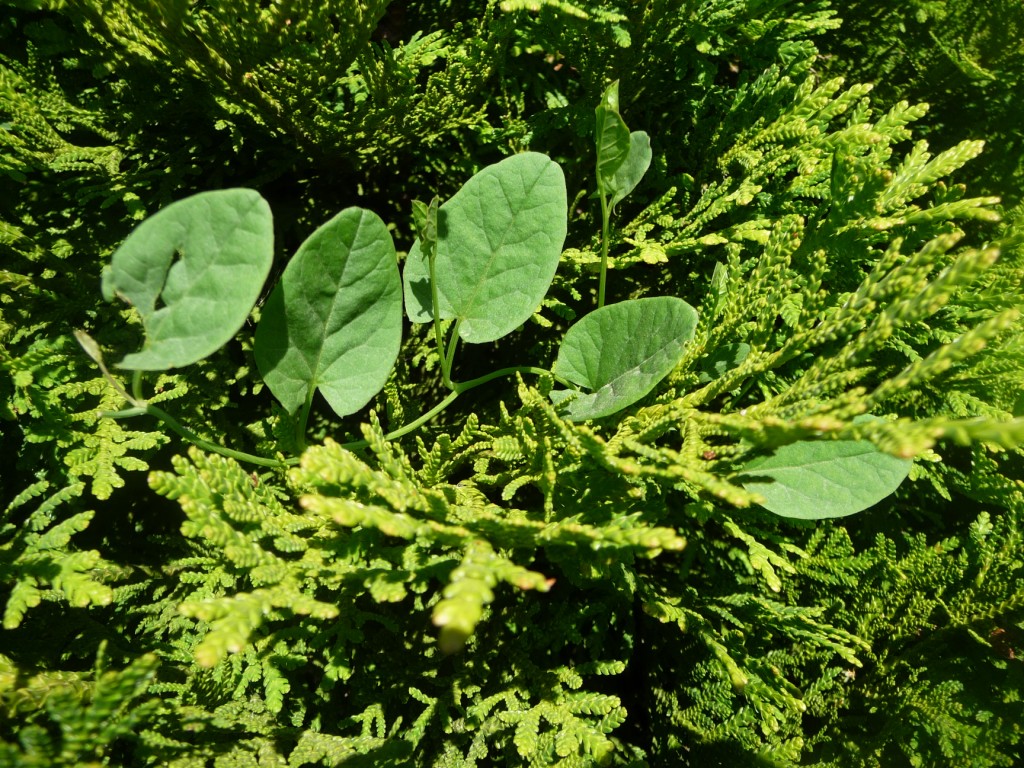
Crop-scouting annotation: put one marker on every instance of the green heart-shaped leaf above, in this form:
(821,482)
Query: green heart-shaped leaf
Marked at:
(499,239)
(620,352)
(334,321)
(193,270)
(817,479)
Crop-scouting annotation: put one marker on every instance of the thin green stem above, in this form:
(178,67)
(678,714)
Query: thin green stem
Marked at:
(206,445)
(118,386)
(127,413)
(192,437)
(303,419)
(92,349)
(449,358)
(472,383)
(412,425)
(146,409)
(605,218)
(435,309)
(458,390)
(137,386)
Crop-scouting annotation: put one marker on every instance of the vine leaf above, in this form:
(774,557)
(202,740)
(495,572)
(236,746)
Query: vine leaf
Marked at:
(499,239)
(620,352)
(334,320)
(622,157)
(193,270)
(818,479)
(721,361)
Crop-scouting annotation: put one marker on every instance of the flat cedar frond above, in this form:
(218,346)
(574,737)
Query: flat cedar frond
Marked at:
(77,718)
(962,58)
(90,446)
(36,561)
(34,102)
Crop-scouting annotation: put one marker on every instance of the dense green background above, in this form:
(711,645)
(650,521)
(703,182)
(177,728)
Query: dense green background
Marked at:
(207,616)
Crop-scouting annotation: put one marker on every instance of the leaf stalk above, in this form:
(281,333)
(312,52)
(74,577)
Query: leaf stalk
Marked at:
(605,222)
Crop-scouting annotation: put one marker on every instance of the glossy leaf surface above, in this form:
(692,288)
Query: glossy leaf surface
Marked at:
(193,270)
(499,239)
(618,354)
(818,479)
(334,321)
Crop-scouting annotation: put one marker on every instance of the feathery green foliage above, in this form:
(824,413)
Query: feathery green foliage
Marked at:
(37,562)
(507,585)
(963,58)
(73,719)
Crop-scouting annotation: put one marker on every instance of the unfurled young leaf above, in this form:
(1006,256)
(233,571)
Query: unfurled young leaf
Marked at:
(611,137)
(334,321)
(818,479)
(499,239)
(425,218)
(622,157)
(617,354)
(719,288)
(193,271)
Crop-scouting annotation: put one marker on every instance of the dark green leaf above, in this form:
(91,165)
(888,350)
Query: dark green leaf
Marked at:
(721,361)
(334,321)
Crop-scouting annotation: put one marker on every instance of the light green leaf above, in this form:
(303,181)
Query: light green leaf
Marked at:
(334,321)
(193,271)
(499,240)
(632,169)
(817,479)
(611,137)
(620,352)
(622,157)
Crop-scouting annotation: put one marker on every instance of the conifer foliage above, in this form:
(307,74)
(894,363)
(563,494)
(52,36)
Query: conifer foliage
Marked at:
(682,426)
